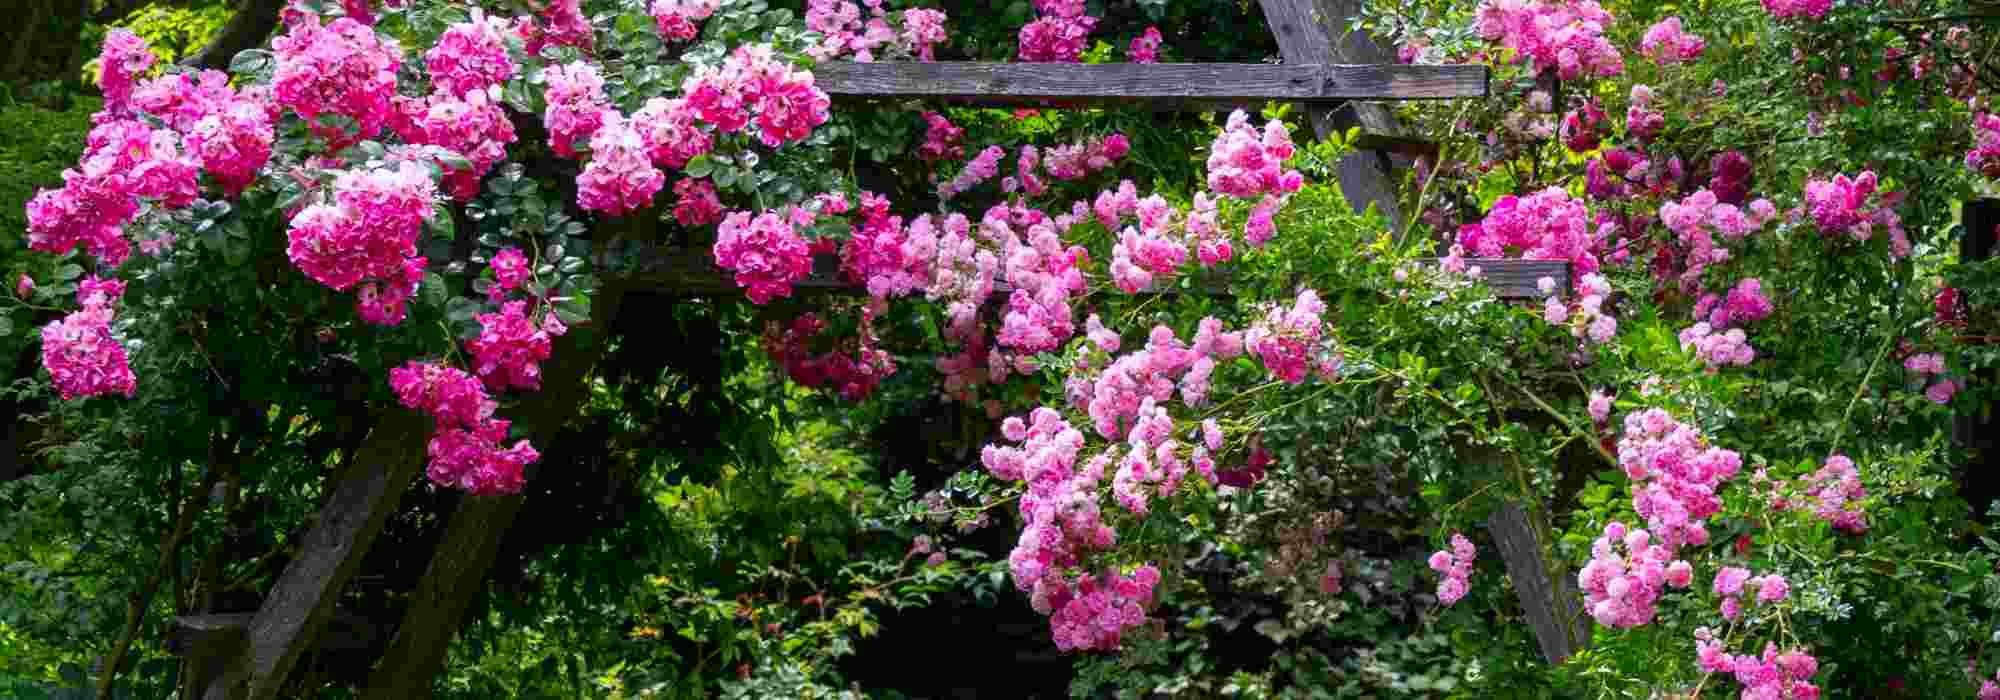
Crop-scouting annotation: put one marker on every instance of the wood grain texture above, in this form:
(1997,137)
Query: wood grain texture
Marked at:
(1554,610)
(292,616)
(695,274)
(1018,83)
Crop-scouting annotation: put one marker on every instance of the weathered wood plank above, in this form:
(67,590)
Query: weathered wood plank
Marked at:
(1015,83)
(1552,607)
(289,622)
(695,274)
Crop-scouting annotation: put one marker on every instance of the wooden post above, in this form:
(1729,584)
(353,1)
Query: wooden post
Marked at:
(1548,601)
(1975,430)
(1553,609)
(1305,30)
(300,603)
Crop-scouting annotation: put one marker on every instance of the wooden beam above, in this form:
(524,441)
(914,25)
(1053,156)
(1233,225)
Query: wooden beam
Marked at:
(292,616)
(695,274)
(1554,610)
(1027,83)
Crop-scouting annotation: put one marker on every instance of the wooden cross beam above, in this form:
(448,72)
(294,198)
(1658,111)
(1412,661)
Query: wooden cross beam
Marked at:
(1170,84)
(695,274)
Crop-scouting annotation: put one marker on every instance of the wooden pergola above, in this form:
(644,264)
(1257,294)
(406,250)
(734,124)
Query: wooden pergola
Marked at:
(1335,75)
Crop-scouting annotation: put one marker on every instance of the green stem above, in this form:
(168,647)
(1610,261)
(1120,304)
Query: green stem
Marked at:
(1841,430)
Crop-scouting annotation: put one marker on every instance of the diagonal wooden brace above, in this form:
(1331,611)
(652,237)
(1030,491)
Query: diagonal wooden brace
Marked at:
(289,622)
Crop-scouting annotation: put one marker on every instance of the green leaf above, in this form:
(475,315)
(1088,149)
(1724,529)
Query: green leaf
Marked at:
(699,166)
(251,61)
(69,272)
(460,309)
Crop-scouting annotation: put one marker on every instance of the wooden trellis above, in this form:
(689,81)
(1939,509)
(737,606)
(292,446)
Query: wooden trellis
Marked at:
(1332,73)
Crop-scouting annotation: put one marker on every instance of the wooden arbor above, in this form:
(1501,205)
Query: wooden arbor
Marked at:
(251,655)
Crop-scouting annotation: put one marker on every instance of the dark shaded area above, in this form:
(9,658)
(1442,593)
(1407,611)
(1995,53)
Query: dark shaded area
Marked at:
(1977,429)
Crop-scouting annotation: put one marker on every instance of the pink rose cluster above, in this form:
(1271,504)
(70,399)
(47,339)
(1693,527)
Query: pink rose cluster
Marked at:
(1454,566)
(844,32)
(342,68)
(559,23)
(1546,225)
(120,61)
(230,133)
(1118,395)
(1062,524)
(1853,207)
(678,19)
(886,257)
(627,154)
(1718,348)
(753,83)
(942,139)
(1565,36)
(696,202)
(1148,251)
(621,176)
(1097,611)
(1774,675)
(1836,492)
(124,162)
(470,56)
(1059,35)
(510,269)
(1247,163)
(1927,366)
(1070,161)
(1697,219)
(1582,129)
(1729,179)
(1045,275)
(981,168)
(1587,318)
(1599,407)
(1145,47)
(367,236)
(1623,590)
(474,127)
(1794,9)
(1614,172)
(1666,44)
(509,350)
(1730,582)
(1984,158)
(1744,304)
(209,126)
(1293,341)
(1643,122)
(1674,474)
(576,105)
(855,367)
(82,356)
(764,251)
(465,451)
